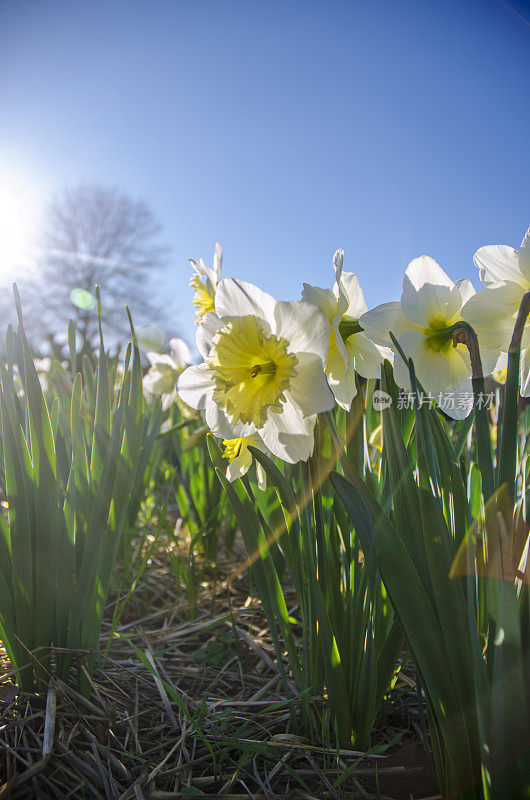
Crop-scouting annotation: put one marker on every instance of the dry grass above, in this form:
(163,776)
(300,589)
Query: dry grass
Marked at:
(213,721)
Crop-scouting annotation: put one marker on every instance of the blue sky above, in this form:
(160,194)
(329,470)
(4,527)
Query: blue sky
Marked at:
(284,130)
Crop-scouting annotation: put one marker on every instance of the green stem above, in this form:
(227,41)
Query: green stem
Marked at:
(508,445)
(463,333)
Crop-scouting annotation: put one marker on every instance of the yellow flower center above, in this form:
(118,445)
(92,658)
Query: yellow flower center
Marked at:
(251,369)
(233,447)
(203,299)
(439,336)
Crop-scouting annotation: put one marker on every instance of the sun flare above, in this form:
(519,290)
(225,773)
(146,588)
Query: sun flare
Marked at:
(17,222)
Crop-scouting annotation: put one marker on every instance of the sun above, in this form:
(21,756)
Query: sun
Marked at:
(18,214)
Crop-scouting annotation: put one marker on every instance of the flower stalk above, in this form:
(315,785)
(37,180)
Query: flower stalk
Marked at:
(463,333)
(508,448)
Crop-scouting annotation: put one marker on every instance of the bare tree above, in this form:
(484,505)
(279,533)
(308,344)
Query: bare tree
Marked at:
(93,235)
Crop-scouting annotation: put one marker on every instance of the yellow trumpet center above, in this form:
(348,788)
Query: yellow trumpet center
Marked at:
(251,369)
(203,299)
(438,336)
(233,447)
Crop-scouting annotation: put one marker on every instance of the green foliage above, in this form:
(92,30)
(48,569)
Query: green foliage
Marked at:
(74,474)
(451,564)
(200,500)
(346,642)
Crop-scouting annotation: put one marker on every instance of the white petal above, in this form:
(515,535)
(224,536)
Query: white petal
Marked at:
(424,270)
(308,389)
(235,298)
(524,378)
(261,475)
(466,289)
(324,299)
(366,356)
(492,313)
(428,293)
(220,426)
(492,360)
(195,386)
(209,325)
(338,261)
(288,435)
(180,352)
(218,260)
(160,379)
(458,403)
(169,399)
(356,303)
(156,359)
(498,262)
(342,382)
(304,326)
(379,321)
(205,272)
(239,465)
(437,372)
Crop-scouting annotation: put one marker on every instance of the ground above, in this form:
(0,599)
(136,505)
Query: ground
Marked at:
(188,706)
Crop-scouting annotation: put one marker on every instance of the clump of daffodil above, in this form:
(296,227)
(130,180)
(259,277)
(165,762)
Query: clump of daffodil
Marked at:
(161,378)
(493,311)
(350,350)
(204,282)
(263,369)
(431,304)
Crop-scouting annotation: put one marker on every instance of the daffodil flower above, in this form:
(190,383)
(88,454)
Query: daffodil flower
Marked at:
(161,378)
(350,350)
(262,371)
(239,458)
(493,311)
(422,324)
(205,283)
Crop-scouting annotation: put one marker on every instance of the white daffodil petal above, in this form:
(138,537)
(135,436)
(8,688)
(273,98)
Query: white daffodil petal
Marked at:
(524,379)
(324,299)
(460,367)
(524,257)
(195,386)
(239,465)
(458,403)
(304,326)
(261,476)
(466,289)
(342,383)
(354,294)
(492,313)
(180,352)
(497,262)
(492,360)
(379,321)
(218,260)
(338,261)
(433,372)
(288,435)
(366,356)
(309,389)
(428,294)
(206,330)
(235,298)
(159,359)
(169,399)
(425,270)
(205,272)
